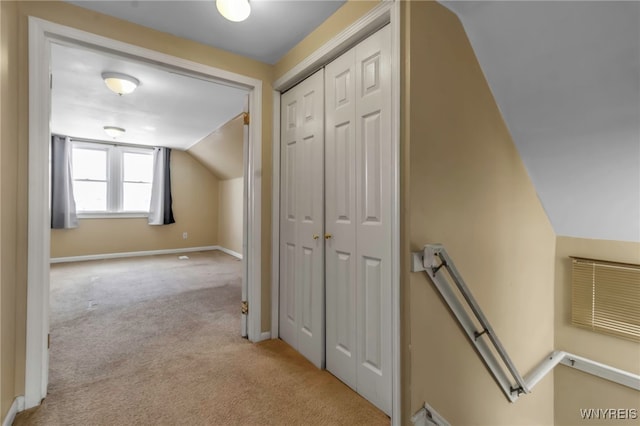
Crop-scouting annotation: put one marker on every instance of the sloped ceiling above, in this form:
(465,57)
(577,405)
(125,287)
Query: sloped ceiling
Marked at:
(566,76)
(221,151)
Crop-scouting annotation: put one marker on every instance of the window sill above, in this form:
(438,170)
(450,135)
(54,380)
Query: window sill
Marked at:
(121,215)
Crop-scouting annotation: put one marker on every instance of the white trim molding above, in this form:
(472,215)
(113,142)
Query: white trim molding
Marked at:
(396,299)
(37,356)
(387,12)
(16,407)
(275,220)
(41,34)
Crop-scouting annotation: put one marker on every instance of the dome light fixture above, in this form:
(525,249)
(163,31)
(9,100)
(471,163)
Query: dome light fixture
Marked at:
(234,10)
(121,84)
(114,132)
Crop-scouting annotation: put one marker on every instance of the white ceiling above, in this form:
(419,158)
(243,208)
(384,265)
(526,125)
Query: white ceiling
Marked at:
(167,109)
(566,76)
(272,29)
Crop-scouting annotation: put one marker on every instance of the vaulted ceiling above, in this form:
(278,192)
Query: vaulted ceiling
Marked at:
(565,75)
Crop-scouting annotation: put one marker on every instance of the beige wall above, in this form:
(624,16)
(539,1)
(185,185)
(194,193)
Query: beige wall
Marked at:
(230,214)
(195,207)
(221,151)
(15,147)
(8,212)
(469,190)
(573,389)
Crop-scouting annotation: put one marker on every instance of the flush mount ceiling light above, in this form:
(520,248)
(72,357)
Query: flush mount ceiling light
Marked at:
(121,84)
(113,131)
(234,10)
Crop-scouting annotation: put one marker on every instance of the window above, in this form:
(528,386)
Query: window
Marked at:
(111,179)
(605,297)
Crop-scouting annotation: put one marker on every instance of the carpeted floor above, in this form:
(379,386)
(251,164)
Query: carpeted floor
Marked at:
(155,341)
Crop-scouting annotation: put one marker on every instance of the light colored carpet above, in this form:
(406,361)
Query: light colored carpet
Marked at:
(155,341)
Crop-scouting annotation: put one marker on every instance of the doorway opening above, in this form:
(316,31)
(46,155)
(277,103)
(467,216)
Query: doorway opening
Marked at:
(42,34)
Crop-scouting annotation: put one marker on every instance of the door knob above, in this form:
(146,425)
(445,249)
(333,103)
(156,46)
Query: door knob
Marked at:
(327,236)
(316,236)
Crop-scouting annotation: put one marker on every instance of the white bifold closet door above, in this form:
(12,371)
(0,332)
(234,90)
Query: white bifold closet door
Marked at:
(302,218)
(358,218)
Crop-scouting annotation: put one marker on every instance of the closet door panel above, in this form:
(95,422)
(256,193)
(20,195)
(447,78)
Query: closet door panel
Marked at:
(373,212)
(302,187)
(311,220)
(288,218)
(340,212)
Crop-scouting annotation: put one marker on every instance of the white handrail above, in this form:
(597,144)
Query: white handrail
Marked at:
(434,258)
(545,366)
(604,371)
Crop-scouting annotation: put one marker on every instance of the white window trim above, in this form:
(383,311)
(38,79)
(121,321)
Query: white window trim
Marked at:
(115,179)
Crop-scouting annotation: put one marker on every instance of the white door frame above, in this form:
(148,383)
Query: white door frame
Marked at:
(41,34)
(387,12)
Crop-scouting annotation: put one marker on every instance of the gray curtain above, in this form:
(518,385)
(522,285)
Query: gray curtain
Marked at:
(161,211)
(63,205)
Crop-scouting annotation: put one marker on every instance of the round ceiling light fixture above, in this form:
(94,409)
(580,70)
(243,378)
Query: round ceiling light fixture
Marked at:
(234,10)
(122,84)
(114,132)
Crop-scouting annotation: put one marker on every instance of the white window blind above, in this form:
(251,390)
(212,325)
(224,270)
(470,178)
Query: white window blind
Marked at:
(605,297)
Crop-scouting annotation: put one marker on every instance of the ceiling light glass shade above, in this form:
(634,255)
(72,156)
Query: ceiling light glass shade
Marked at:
(234,10)
(121,84)
(114,132)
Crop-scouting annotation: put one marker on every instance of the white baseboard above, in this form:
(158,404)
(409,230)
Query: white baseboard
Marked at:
(230,252)
(135,253)
(16,407)
(265,335)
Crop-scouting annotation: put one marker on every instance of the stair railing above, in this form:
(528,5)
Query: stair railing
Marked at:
(433,260)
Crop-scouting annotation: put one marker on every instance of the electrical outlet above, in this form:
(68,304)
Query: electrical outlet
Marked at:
(185,235)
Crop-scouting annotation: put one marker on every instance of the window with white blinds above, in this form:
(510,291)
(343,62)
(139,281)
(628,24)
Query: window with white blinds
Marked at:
(605,297)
